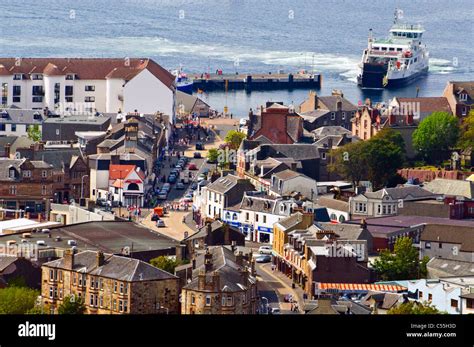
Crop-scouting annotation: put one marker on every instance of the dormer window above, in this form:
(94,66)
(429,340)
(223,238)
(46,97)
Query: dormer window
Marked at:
(27,173)
(11,173)
(333,115)
(18,76)
(463,97)
(70,77)
(36,76)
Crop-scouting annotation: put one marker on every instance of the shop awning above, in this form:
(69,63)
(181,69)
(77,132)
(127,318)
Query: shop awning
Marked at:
(361,287)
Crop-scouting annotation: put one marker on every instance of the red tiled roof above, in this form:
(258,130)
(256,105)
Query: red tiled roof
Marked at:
(119,171)
(87,68)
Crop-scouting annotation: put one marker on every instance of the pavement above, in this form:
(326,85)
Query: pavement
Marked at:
(280,285)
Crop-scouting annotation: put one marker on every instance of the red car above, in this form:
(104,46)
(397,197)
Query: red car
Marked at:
(192,167)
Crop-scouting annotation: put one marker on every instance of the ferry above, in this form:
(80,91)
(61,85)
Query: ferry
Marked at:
(395,61)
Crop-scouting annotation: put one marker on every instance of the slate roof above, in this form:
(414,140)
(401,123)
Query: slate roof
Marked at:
(450,267)
(21,116)
(57,157)
(329,130)
(263,204)
(115,267)
(294,151)
(384,300)
(344,231)
(330,102)
(202,232)
(455,234)
(451,187)
(291,220)
(15,143)
(287,175)
(404,193)
(224,184)
(6,261)
(223,262)
(334,204)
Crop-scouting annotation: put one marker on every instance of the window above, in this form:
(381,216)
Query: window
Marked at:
(50,292)
(115,286)
(234,216)
(60,293)
(44,173)
(193,300)
(89,99)
(420,295)
(92,300)
(463,97)
(428,245)
(37,76)
(120,305)
(17,76)
(2,127)
(16,93)
(115,305)
(13,127)
(121,288)
(333,115)
(60,276)
(12,190)
(454,303)
(469,303)
(264,219)
(51,275)
(125,304)
(208,300)
(440,245)
(430,297)
(44,190)
(323,155)
(26,173)
(247,216)
(89,88)
(101,284)
(256,217)
(343,115)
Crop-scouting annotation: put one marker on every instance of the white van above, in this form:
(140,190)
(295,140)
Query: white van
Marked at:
(265,250)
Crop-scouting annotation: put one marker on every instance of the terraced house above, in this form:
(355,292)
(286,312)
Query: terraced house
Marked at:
(109,284)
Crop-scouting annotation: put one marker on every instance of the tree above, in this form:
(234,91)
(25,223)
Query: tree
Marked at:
(17,300)
(435,136)
(72,304)
(413,307)
(383,158)
(34,133)
(376,159)
(349,162)
(466,140)
(212,155)
(234,138)
(402,264)
(167,264)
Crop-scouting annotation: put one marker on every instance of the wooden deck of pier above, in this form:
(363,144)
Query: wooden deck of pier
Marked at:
(257,81)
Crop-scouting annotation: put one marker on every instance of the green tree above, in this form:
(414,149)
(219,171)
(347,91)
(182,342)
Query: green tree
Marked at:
(402,264)
(212,155)
(167,264)
(349,162)
(34,133)
(435,136)
(72,304)
(413,307)
(17,300)
(383,158)
(466,140)
(234,138)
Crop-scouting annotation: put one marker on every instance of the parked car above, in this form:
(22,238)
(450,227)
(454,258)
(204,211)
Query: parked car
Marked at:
(205,171)
(197,155)
(160,223)
(263,259)
(201,177)
(179,186)
(172,179)
(199,146)
(265,250)
(101,202)
(163,196)
(194,186)
(155,218)
(192,166)
(288,298)
(188,198)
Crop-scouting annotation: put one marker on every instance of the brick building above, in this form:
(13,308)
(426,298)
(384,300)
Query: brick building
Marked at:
(109,284)
(25,185)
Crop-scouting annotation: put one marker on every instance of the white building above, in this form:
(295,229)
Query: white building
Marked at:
(453,295)
(287,182)
(88,85)
(126,185)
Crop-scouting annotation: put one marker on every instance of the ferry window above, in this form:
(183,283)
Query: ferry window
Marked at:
(391,49)
(415,35)
(399,49)
(384,48)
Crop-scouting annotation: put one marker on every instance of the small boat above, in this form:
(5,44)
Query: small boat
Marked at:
(183,83)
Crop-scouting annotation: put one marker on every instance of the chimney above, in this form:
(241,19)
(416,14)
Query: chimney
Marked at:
(226,235)
(315,99)
(308,219)
(202,279)
(208,261)
(7,150)
(339,105)
(100,258)
(209,228)
(244,274)
(179,252)
(69,259)
(193,262)
(216,281)
(239,258)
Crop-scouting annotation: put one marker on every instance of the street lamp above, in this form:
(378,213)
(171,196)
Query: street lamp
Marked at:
(82,186)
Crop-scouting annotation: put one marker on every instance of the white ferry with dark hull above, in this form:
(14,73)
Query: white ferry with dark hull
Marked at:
(395,61)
